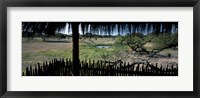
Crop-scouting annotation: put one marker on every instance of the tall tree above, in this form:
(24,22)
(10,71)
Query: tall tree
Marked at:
(76,65)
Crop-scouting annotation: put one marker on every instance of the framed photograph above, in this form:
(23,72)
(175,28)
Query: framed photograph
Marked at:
(73,48)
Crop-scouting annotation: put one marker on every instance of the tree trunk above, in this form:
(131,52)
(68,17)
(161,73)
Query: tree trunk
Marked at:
(76,65)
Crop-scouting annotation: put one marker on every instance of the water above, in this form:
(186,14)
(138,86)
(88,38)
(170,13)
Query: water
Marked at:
(103,46)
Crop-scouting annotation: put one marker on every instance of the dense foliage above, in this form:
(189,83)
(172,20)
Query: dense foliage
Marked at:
(136,41)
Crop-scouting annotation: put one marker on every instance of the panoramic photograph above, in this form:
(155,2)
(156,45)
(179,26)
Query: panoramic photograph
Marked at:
(99,48)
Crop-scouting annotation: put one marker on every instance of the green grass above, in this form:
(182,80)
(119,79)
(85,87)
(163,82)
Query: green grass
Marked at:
(90,51)
(87,50)
(39,57)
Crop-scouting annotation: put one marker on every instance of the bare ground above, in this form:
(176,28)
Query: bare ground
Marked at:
(44,46)
(161,59)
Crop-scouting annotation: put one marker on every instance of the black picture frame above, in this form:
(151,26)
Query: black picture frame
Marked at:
(98,3)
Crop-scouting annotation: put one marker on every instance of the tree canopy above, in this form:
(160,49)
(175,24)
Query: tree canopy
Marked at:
(30,29)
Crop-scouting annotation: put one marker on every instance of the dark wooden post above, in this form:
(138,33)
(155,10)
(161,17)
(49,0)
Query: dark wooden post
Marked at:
(27,72)
(75,33)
